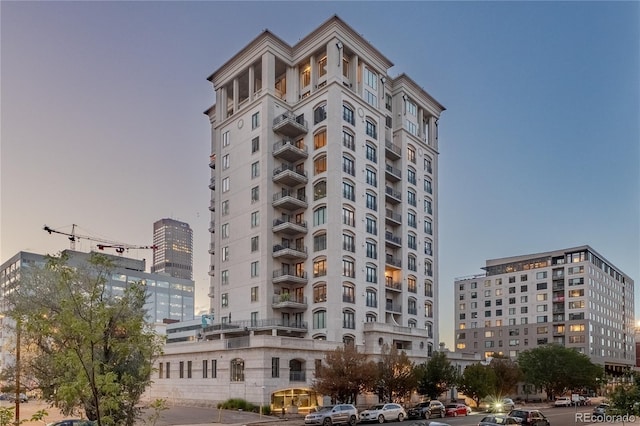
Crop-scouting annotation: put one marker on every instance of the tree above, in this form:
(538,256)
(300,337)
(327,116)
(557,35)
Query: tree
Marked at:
(396,378)
(344,374)
(436,376)
(625,398)
(93,348)
(477,381)
(507,374)
(557,369)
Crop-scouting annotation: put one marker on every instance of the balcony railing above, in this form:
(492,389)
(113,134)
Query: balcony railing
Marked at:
(297,376)
(392,194)
(393,172)
(392,307)
(393,151)
(289,175)
(392,261)
(289,150)
(290,125)
(393,239)
(394,285)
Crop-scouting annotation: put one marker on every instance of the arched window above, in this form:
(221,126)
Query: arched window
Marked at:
(237,370)
(348,292)
(349,319)
(428,309)
(320,216)
(348,114)
(320,112)
(412,306)
(320,164)
(319,190)
(411,263)
(319,319)
(320,241)
(320,139)
(412,323)
(320,293)
(348,140)
(348,340)
(371,317)
(428,325)
(319,267)
(428,288)
(371,296)
(348,164)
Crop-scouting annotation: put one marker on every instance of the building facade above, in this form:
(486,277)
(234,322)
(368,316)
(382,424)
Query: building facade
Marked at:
(173,254)
(323,216)
(573,297)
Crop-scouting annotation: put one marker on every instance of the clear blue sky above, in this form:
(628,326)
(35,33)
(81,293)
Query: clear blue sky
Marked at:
(102,123)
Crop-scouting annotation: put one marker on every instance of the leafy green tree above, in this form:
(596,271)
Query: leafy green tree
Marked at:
(396,378)
(557,369)
(344,374)
(477,381)
(93,348)
(625,398)
(436,376)
(507,373)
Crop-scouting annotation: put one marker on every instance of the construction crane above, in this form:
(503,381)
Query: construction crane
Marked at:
(100,243)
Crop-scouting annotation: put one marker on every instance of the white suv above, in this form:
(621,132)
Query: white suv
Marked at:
(563,401)
(341,414)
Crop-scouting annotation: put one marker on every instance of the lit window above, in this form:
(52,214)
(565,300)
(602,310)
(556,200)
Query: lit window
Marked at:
(320,139)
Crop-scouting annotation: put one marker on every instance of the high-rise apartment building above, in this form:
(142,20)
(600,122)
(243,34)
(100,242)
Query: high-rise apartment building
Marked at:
(324,198)
(174,248)
(573,297)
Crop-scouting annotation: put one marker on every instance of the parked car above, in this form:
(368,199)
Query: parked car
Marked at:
(73,422)
(341,414)
(383,413)
(600,409)
(427,410)
(563,401)
(457,410)
(530,417)
(503,405)
(498,419)
(12,397)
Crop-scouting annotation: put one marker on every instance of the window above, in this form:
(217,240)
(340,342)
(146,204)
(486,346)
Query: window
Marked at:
(254,294)
(320,139)
(320,268)
(255,194)
(371,153)
(428,207)
(205,368)
(181,369)
(225,162)
(428,309)
(319,242)
(348,191)
(428,270)
(214,368)
(411,241)
(541,286)
(371,98)
(371,298)
(168,370)
(348,293)
(225,254)
(320,319)
(224,231)
(428,186)
(428,228)
(348,268)
(237,370)
(371,225)
(371,274)
(411,197)
(348,319)
(305,75)
(224,207)
(412,285)
(225,139)
(320,164)
(428,250)
(370,129)
(255,170)
(225,184)
(347,114)
(224,277)
(411,263)
(320,293)
(348,166)
(255,269)
(411,219)
(320,190)
(348,243)
(255,219)
(319,216)
(275,367)
(428,289)
(348,217)
(371,201)
(255,243)
(371,177)
(372,250)
(255,145)
(255,120)
(411,154)
(320,113)
(348,141)
(412,307)
(411,176)
(225,300)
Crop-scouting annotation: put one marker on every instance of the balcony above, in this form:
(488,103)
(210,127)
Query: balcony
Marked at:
(212,227)
(212,184)
(288,200)
(392,196)
(289,227)
(392,218)
(212,205)
(289,125)
(391,150)
(297,376)
(393,174)
(393,307)
(393,262)
(282,251)
(212,248)
(289,150)
(288,175)
(393,285)
(392,239)
(283,276)
(288,301)
(212,161)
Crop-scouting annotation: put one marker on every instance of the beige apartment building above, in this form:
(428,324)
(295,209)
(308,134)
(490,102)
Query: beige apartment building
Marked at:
(573,297)
(324,197)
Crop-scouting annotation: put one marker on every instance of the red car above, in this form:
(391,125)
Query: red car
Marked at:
(457,410)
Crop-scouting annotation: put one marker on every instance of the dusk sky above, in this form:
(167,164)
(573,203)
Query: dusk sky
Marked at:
(102,120)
